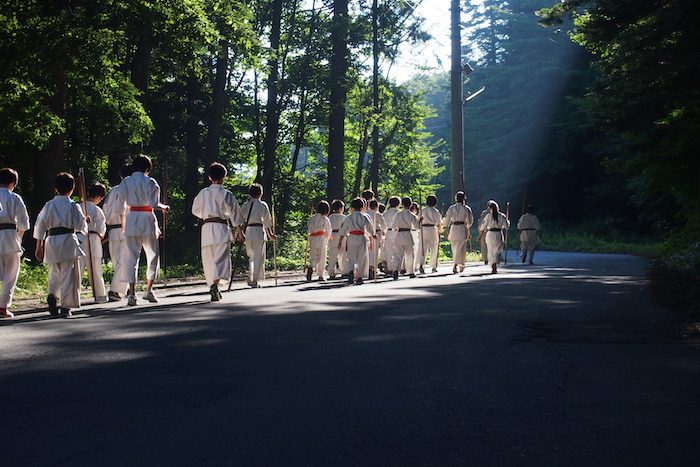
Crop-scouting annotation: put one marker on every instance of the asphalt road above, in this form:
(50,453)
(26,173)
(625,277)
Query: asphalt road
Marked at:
(562,363)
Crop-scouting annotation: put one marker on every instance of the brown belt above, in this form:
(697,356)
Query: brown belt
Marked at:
(215,220)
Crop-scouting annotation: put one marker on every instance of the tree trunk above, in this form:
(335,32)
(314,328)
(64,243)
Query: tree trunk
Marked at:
(192,144)
(362,154)
(272,106)
(216,113)
(338,97)
(289,180)
(376,153)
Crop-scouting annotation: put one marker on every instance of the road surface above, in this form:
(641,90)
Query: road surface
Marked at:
(562,363)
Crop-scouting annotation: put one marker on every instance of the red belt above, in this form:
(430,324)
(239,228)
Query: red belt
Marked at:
(357,232)
(141,208)
(318,233)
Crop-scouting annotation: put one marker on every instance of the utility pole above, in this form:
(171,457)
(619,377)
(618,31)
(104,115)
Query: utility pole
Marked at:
(456,100)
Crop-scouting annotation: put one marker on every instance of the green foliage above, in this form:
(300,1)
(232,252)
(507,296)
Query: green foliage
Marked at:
(32,280)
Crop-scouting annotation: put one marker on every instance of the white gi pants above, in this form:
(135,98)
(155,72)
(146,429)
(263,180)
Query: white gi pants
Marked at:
(256,259)
(373,253)
(388,250)
(431,243)
(494,244)
(336,256)
(64,283)
(459,251)
(9,272)
(356,251)
(484,249)
(403,253)
(117,254)
(216,262)
(94,272)
(528,240)
(133,248)
(318,245)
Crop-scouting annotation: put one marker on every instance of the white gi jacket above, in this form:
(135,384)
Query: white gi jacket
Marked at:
(319,223)
(140,190)
(528,225)
(404,220)
(14,212)
(114,208)
(458,213)
(359,222)
(216,201)
(336,221)
(431,215)
(259,214)
(61,211)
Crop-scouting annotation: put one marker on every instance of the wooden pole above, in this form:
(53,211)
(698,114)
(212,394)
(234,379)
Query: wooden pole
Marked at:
(507,219)
(83,198)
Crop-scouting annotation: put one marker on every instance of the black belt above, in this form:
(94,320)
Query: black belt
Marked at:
(60,231)
(113,226)
(428,225)
(93,231)
(8,226)
(404,230)
(255,225)
(458,223)
(495,230)
(215,220)
(335,230)
(528,229)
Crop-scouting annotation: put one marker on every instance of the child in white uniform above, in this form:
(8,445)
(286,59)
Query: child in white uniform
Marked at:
(14,221)
(57,245)
(492,228)
(142,196)
(388,250)
(115,216)
(377,240)
(404,223)
(357,228)
(257,230)
(336,251)
(431,224)
(529,227)
(216,206)
(96,231)
(459,219)
(319,230)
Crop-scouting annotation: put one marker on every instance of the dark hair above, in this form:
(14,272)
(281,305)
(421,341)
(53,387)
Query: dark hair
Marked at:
(8,176)
(97,189)
(382,208)
(530,208)
(394,201)
(357,203)
(337,205)
(432,200)
(459,196)
(142,163)
(373,204)
(255,190)
(126,170)
(368,194)
(323,207)
(494,211)
(414,206)
(64,183)
(406,202)
(217,172)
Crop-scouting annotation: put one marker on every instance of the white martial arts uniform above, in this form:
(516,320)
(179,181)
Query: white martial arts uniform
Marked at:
(529,227)
(459,219)
(13,219)
(493,231)
(482,242)
(217,204)
(141,228)
(115,215)
(336,255)
(388,250)
(357,228)
(319,229)
(432,220)
(259,220)
(379,225)
(96,230)
(404,222)
(62,251)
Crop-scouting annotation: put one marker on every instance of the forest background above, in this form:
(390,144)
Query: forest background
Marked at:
(590,110)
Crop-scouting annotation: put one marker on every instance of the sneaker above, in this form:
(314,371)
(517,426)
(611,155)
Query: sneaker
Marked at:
(113,296)
(461,268)
(149,296)
(421,270)
(454,269)
(371,274)
(351,277)
(412,276)
(331,277)
(396,275)
(359,281)
(254,284)
(322,279)
(6,314)
(522,259)
(214,292)
(131,300)
(102,299)
(434,270)
(309,272)
(52,303)
(65,313)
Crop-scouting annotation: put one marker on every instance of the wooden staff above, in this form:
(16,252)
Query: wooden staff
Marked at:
(507,220)
(308,245)
(274,240)
(83,197)
(240,247)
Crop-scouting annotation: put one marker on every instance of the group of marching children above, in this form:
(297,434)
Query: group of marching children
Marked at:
(69,237)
